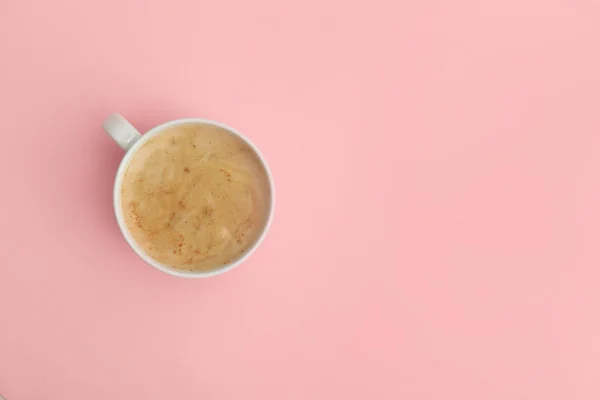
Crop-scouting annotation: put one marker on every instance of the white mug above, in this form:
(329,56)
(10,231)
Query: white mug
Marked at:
(131,140)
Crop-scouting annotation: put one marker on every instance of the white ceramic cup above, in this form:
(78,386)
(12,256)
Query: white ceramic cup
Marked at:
(131,140)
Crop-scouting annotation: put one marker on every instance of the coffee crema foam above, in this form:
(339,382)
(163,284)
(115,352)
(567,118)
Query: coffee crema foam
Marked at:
(195,197)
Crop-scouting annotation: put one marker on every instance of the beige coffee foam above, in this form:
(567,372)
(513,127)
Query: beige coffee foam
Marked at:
(195,197)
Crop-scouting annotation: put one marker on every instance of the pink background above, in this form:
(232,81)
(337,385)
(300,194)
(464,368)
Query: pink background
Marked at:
(437,233)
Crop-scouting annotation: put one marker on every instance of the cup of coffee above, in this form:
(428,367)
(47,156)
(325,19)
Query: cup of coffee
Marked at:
(193,197)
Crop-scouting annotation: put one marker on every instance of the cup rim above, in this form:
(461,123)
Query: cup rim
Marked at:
(119,211)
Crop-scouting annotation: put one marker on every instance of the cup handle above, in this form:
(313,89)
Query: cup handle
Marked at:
(121,131)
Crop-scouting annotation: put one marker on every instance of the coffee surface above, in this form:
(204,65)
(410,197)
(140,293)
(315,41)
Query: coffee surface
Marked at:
(195,197)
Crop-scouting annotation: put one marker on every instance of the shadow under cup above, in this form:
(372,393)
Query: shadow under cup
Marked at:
(195,139)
